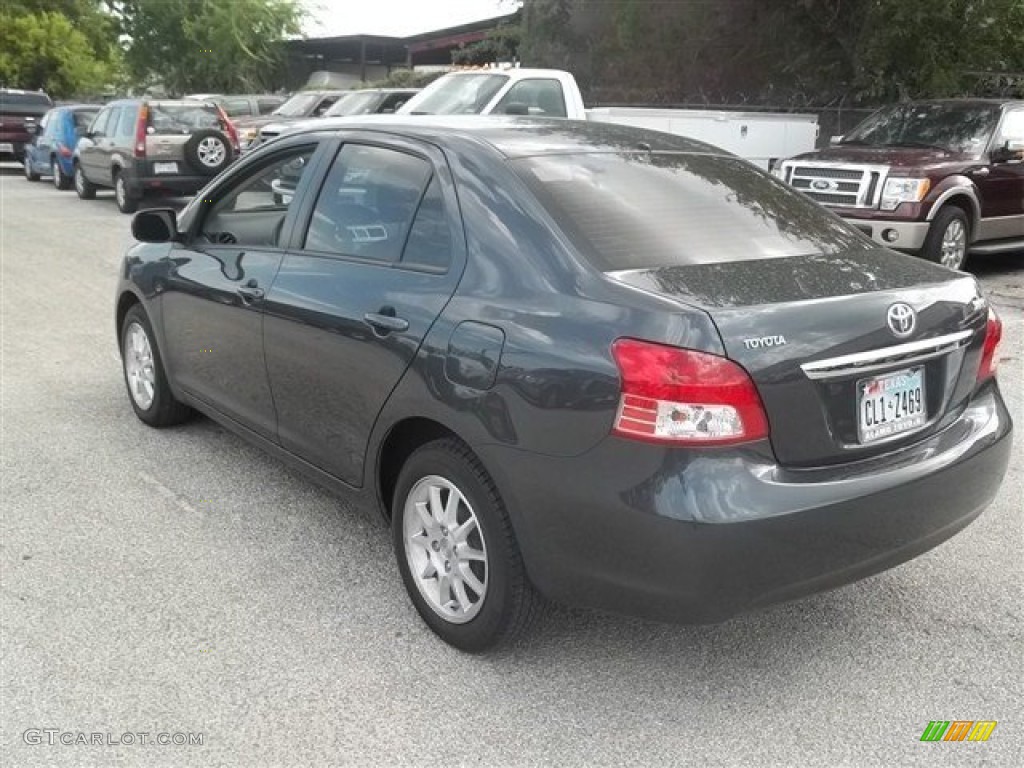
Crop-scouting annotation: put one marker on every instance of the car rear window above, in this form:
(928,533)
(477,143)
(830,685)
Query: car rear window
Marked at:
(177,119)
(639,210)
(24,99)
(83,117)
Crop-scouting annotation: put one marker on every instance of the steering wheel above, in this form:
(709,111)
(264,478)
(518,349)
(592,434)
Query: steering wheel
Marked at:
(351,215)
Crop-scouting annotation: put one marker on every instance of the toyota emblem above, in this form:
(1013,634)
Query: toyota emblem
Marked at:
(902,319)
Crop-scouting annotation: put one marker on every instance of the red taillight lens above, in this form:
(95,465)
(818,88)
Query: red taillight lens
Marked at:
(228,126)
(993,334)
(685,397)
(141,123)
(64,151)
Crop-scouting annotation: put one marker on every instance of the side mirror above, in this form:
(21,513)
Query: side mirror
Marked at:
(1010,151)
(157,225)
(833,140)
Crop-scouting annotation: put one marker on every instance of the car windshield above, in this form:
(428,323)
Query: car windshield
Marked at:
(952,127)
(640,210)
(299,105)
(456,95)
(354,104)
(16,99)
(171,119)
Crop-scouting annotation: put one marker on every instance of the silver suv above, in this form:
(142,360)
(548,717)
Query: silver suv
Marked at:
(142,147)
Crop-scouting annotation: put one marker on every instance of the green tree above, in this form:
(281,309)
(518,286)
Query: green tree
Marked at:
(46,50)
(66,47)
(207,45)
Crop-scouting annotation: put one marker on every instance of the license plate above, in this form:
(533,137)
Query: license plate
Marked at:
(891,404)
(6,147)
(165,167)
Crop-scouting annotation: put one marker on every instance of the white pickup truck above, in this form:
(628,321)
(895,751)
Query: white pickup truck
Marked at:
(760,137)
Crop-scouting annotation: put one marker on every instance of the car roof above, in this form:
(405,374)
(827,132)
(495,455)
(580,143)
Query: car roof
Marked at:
(517,136)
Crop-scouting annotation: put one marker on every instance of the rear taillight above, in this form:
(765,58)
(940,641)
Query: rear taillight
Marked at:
(993,334)
(64,151)
(141,123)
(684,397)
(228,126)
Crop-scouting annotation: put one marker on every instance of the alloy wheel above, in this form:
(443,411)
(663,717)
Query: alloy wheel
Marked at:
(55,172)
(954,244)
(445,549)
(139,366)
(211,151)
(79,181)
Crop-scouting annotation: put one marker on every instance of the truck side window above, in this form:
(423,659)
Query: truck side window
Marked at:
(541,97)
(1013,127)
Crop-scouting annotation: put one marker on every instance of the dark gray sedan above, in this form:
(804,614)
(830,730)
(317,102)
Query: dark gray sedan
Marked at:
(607,366)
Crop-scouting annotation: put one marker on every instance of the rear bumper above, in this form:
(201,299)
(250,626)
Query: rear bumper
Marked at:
(170,185)
(17,146)
(643,530)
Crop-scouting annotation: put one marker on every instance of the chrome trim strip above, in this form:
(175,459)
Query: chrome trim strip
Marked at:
(865,362)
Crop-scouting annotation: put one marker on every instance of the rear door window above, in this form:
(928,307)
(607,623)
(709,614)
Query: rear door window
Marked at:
(367,203)
(126,123)
(236,107)
(430,238)
(638,210)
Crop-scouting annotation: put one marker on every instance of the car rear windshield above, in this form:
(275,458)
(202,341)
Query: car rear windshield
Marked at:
(83,117)
(177,119)
(639,210)
(24,99)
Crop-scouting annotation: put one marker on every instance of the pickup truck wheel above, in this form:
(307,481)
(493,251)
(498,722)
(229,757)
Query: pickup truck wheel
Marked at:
(947,239)
(85,188)
(29,173)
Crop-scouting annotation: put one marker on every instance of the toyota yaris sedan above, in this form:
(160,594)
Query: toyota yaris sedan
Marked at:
(591,363)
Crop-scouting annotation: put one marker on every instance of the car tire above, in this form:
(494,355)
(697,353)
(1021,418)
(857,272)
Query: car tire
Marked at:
(126,201)
(468,540)
(948,238)
(26,165)
(60,179)
(208,152)
(144,375)
(85,188)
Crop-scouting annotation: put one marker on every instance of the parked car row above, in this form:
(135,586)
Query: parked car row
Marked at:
(137,147)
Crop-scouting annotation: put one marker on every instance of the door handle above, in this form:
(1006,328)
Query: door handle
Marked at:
(385,322)
(250,291)
(980,171)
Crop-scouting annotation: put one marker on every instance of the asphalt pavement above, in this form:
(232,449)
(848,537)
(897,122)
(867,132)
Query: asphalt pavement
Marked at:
(181,582)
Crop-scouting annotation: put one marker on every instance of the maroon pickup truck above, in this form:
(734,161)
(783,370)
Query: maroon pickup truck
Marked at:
(20,112)
(938,178)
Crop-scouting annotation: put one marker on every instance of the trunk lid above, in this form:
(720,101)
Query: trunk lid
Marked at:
(814,334)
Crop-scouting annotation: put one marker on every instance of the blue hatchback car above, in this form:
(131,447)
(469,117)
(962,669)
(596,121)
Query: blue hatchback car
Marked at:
(51,149)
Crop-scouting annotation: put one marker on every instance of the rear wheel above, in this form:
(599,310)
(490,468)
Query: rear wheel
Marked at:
(85,188)
(126,202)
(948,238)
(60,179)
(144,374)
(29,173)
(456,550)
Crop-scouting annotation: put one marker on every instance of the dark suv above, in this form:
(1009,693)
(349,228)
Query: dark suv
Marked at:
(141,148)
(939,178)
(20,113)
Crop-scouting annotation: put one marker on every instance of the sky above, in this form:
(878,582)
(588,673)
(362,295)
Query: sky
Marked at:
(396,17)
